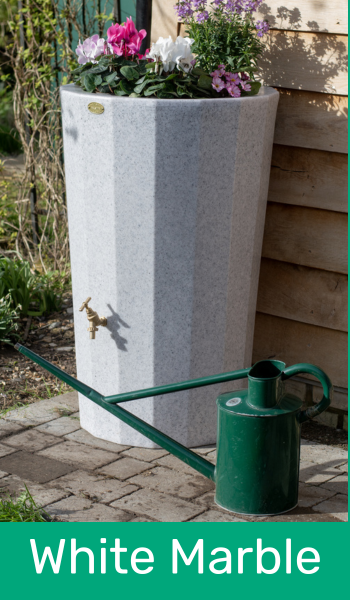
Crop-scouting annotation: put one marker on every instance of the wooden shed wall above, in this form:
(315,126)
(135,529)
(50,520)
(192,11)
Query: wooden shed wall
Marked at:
(302,300)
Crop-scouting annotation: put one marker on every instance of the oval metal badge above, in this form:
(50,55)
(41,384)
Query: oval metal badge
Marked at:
(96,108)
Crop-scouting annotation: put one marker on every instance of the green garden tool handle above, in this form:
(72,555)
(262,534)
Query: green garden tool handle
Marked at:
(324,403)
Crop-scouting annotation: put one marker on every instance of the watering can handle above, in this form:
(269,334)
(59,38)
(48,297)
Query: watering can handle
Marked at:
(324,403)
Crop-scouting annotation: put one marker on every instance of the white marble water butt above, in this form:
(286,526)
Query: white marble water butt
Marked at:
(166,206)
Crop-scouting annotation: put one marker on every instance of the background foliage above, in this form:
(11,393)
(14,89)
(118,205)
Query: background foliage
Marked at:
(37,42)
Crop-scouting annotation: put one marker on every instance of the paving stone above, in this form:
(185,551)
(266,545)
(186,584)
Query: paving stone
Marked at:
(45,410)
(42,495)
(84,437)
(146,454)
(141,520)
(337,507)
(173,482)
(311,472)
(211,456)
(33,467)
(338,485)
(60,427)
(160,507)
(204,449)
(174,463)
(208,501)
(309,517)
(214,516)
(7,428)
(94,487)
(3,474)
(125,468)
(31,440)
(343,468)
(4,450)
(309,495)
(75,510)
(320,453)
(79,454)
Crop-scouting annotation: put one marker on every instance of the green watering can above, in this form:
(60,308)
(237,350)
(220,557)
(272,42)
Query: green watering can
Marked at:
(258,441)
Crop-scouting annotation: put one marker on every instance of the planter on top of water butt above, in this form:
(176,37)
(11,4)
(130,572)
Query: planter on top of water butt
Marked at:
(166,206)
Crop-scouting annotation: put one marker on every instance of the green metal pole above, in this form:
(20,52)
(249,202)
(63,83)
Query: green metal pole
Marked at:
(191,458)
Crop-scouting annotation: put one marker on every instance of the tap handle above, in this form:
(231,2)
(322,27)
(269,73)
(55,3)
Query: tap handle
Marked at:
(85,304)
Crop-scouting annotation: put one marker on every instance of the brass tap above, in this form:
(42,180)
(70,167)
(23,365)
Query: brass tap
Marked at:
(93,318)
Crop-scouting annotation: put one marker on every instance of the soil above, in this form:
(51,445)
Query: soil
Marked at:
(23,382)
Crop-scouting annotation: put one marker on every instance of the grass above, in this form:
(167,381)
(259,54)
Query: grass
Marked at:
(21,510)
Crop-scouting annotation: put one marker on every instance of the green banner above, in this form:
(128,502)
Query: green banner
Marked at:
(174,560)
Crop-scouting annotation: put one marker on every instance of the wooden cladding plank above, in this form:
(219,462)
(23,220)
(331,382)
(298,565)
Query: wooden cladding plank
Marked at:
(327,15)
(319,15)
(306,236)
(315,62)
(164,19)
(312,120)
(302,294)
(293,342)
(306,177)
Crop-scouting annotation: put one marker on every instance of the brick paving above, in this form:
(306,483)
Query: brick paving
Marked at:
(77,477)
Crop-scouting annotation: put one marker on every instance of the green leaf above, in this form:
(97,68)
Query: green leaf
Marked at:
(255,85)
(154,88)
(99,68)
(150,65)
(89,83)
(133,95)
(129,73)
(112,77)
(205,82)
(138,89)
(97,80)
(127,88)
(120,93)
(141,80)
(197,71)
(129,63)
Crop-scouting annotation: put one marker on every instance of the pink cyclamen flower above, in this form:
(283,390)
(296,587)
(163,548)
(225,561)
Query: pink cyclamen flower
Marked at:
(218,84)
(125,40)
(90,49)
(221,69)
(233,90)
(216,73)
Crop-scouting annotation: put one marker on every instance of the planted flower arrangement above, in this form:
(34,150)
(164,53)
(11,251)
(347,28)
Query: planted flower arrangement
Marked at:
(219,56)
(167,159)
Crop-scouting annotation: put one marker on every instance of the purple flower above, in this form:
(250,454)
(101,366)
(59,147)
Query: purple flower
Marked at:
(262,27)
(233,90)
(245,86)
(218,84)
(232,78)
(216,73)
(202,16)
(184,10)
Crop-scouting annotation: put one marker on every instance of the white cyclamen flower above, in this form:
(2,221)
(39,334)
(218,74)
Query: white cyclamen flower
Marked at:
(184,58)
(171,53)
(161,52)
(90,49)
